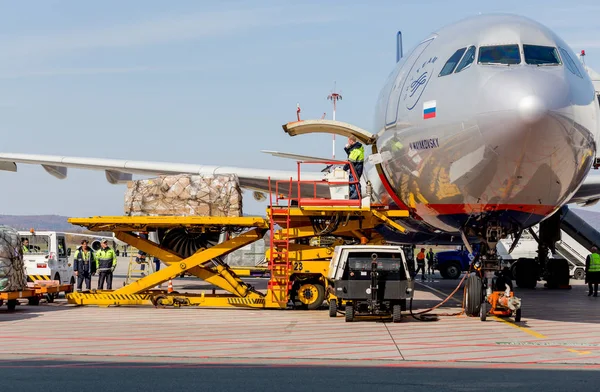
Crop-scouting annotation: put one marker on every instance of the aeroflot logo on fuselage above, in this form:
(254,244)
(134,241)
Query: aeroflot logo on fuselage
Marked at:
(417,80)
(425,144)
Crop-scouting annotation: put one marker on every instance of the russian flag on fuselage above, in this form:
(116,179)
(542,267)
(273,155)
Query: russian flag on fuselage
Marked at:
(429,109)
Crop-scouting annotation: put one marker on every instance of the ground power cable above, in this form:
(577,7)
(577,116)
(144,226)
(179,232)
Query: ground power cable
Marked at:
(422,316)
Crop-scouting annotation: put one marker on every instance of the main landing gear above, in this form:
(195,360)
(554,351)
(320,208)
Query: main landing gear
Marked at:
(489,287)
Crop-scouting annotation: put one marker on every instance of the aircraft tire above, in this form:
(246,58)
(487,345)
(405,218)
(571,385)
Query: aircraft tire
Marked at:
(558,273)
(526,271)
(474,297)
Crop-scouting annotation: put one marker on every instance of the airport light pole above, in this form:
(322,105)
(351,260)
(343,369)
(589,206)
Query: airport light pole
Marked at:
(334,97)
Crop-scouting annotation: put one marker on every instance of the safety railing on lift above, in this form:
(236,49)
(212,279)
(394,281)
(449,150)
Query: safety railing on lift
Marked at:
(307,191)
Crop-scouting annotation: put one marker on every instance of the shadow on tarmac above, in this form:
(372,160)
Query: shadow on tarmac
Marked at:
(24,311)
(162,376)
(566,305)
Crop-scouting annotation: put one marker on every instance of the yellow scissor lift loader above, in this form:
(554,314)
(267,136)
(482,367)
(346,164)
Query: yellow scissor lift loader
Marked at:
(298,270)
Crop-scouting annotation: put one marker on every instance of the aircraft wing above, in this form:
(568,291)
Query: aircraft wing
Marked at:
(589,192)
(96,237)
(121,171)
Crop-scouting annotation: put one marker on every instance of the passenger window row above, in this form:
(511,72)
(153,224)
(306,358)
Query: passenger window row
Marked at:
(509,55)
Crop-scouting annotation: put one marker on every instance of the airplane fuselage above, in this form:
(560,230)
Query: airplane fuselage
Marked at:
(490,118)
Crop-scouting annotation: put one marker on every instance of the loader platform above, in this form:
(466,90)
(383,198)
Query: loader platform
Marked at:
(297,266)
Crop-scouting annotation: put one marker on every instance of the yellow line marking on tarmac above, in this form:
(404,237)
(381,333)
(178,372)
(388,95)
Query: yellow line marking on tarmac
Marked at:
(579,352)
(526,330)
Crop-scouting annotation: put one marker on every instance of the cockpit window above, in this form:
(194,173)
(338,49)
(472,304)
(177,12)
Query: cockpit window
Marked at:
(499,55)
(540,55)
(452,61)
(571,66)
(466,60)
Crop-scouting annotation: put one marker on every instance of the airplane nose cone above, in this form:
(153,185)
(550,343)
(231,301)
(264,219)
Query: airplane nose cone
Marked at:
(535,152)
(531,109)
(528,92)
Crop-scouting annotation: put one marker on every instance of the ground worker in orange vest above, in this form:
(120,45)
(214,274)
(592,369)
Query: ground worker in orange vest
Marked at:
(421,264)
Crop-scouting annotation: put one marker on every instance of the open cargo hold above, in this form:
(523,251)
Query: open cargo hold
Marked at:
(185,195)
(12,271)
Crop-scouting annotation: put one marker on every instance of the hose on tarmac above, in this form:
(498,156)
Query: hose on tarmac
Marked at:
(422,316)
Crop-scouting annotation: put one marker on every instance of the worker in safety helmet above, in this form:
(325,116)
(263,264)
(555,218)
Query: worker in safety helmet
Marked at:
(592,271)
(356,156)
(84,265)
(25,243)
(421,264)
(106,262)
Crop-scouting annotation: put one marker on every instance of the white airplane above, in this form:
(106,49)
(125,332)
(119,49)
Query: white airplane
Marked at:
(487,127)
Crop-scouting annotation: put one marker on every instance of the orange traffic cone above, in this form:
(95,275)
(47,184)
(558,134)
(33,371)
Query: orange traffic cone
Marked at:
(170,287)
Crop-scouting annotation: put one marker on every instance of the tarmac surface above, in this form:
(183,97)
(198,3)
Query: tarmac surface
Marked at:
(554,347)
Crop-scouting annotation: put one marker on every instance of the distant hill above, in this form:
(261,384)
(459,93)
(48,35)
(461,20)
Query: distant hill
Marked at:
(38,222)
(59,222)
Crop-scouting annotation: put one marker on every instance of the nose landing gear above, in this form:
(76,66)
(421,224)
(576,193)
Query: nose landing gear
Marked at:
(489,288)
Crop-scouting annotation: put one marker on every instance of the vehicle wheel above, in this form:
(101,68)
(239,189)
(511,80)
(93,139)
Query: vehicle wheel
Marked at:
(526,271)
(579,274)
(35,301)
(332,308)
(311,294)
(11,304)
(349,313)
(453,271)
(396,313)
(72,283)
(474,296)
(444,274)
(518,315)
(483,311)
(160,300)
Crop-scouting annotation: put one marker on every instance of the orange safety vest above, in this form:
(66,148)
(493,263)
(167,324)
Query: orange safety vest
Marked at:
(420,258)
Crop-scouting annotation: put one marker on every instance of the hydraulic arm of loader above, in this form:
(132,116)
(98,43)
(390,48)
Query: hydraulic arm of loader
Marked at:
(220,276)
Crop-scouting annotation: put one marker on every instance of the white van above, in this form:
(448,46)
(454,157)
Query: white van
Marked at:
(48,257)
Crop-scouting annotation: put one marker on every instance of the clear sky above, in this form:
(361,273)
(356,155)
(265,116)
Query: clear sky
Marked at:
(207,82)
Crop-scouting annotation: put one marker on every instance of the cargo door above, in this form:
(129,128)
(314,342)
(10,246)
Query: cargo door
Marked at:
(398,89)
(62,260)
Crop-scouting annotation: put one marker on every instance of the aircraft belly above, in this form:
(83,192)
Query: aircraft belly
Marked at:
(492,164)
